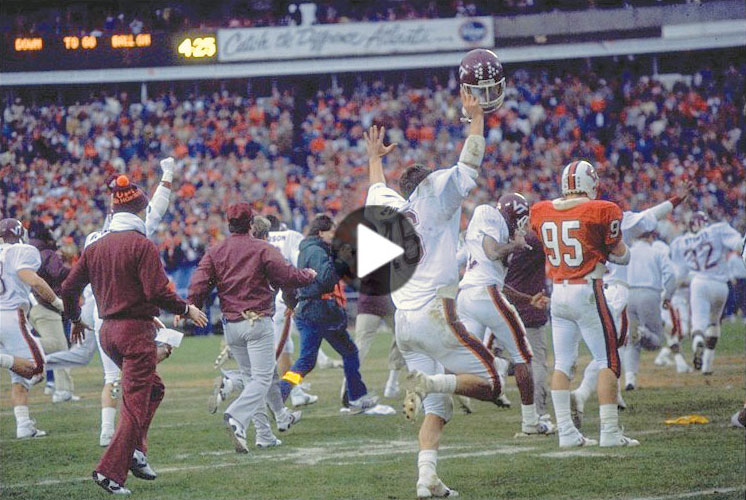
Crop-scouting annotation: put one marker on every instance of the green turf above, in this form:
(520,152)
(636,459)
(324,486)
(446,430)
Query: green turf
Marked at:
(329,455)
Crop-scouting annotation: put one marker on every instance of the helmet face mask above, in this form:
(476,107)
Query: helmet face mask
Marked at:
(698,221)
(481,75)
(12,231)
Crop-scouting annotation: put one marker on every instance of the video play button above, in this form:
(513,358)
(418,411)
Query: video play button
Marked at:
(373,251)
(384,246)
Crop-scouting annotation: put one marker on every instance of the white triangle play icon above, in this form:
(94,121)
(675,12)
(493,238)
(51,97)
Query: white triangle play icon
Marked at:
(373,251)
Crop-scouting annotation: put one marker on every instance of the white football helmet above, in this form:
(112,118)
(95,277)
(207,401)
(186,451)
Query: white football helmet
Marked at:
(579,177)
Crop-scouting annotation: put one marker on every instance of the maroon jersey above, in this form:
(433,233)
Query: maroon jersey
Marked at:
(247,272)
(527,275)
(127,277)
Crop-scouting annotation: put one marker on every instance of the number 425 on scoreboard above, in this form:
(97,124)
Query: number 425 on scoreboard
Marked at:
(198,47)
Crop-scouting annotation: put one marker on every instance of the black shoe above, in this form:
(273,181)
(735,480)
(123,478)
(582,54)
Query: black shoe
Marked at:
(140,467)
(630,387)
(698,352)
(110,485)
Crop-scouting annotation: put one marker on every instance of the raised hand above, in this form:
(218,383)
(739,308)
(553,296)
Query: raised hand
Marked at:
(470,105)
(374,142)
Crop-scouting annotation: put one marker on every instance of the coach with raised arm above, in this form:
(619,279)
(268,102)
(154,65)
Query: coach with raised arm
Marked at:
(130,286)
(247,271)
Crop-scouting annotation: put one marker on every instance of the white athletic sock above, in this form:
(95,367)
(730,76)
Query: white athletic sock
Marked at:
(528,415)
(443,383)
(707,358)
(427,461)
(108,417)
(22,417)
(609,418)
(393,377)
(588,384)
(561,401)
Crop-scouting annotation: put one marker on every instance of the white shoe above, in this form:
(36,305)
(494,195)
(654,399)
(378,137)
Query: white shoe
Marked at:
(617,439)
(221,387)
(140,467)
(411,405)
(237,434)
(110,485)
(502,401)
(683,367)
(663,358)
(105,438)
(391,390)
(29,430)
(576,441)
(621,404)
(287,419)
(542,428)
(363,403)
(62,396)
(464,403)
(577,409)
(267,443)
(300,398)
(734,422)
(49,389)
(433,487)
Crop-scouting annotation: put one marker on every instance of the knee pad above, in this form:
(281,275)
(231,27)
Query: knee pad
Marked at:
(439,404)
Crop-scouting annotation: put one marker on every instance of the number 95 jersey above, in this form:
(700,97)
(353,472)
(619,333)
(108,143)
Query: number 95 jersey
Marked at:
(577,234)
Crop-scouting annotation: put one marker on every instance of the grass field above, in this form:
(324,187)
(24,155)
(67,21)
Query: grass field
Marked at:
(328,455)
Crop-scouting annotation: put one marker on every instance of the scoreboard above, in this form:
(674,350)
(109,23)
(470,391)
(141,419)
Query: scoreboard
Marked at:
(113,50)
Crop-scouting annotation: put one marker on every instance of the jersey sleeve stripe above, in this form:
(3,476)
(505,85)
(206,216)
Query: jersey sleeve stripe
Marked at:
(513,321)
(610,337)
(476,347)
(32,345)
(287,319)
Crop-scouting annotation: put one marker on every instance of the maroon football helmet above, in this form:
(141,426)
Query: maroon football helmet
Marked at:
(12,231)
(481,75)
(698,221)
(515,209)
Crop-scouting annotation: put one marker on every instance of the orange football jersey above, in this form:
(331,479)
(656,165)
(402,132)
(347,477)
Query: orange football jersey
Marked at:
(577,238)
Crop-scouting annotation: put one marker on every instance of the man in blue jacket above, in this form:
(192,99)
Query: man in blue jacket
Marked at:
(320,313)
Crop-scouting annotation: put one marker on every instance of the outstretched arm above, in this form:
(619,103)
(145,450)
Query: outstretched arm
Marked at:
(159,202)
(473,150)
(376,150)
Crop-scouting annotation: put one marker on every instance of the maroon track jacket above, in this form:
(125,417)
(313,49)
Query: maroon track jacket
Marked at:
(243,268)
(127,277)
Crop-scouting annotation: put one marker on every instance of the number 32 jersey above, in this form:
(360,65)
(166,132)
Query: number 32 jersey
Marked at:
(577,234)
(705,252)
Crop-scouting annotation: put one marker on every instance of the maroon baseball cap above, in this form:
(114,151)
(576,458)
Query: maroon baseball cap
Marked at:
(239,212)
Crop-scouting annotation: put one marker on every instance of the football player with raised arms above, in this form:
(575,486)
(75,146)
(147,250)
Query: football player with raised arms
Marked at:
(19,263)
(579,234)
(616,291)
(705,252)
(492,235)
(428,332)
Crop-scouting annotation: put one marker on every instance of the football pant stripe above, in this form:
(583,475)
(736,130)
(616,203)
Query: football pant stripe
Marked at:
(32,345)
(607,323)
(624,327)
(513,321)
(471,343)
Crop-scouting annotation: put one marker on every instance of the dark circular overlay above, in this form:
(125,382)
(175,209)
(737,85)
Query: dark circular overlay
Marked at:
(396,227)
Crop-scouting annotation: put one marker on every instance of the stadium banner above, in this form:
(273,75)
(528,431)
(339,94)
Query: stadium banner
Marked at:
(354,39)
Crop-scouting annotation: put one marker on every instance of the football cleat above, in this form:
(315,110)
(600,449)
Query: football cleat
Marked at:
(140,467)
(738,419)
(287,419)
(217,395)
(411,405)
(502,401)
(267,443)
(49,389)
(365,402)
(110,485)
(392,389)
(300,398)
(663,358)
(62,396)
(617,439)
(621,404)
(629,387)
(29,430)
(465,404)
(237,434)
(699,350)
(116,388)
(544,428)
(576,440)
(577,409)
(433,487)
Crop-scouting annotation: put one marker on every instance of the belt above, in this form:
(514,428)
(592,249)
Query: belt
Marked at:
(249,316)
(573,281)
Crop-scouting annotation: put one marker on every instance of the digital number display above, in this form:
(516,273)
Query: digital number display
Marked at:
(198,47)
(83,42)
(25,44)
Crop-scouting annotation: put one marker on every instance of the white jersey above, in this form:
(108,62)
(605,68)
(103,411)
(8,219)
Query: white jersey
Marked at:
(14,292)
(650,267)
(434,209)
(705,252)
(633,225)
(287,242)
(683,273)
(480,270)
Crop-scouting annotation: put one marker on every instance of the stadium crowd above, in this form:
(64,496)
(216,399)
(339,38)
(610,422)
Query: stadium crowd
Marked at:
(641,133)
(99,17)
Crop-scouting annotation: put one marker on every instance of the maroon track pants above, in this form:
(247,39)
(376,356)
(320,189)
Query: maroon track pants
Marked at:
(129,343)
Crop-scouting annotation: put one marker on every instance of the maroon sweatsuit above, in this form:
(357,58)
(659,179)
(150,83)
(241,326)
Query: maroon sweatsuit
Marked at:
(130,286)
